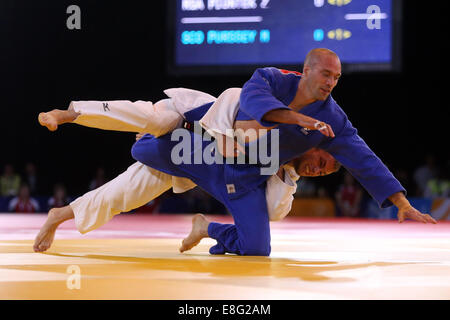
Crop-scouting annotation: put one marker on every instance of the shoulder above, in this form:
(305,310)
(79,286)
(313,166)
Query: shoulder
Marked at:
(289,72)
(279,73)
(281,81)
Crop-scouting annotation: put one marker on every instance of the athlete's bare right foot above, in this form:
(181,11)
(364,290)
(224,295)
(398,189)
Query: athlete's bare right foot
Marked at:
(49,120)
(198,232)
(53,118)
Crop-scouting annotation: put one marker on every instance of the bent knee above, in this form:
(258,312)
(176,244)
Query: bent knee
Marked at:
(263,251)
(260,248)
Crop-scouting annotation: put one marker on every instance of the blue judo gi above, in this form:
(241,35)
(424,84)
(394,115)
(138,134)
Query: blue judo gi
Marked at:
(268,89)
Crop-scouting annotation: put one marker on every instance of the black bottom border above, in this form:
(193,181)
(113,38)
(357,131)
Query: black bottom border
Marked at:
(231,309)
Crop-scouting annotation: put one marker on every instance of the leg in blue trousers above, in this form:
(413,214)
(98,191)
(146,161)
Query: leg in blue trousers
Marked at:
(250,234)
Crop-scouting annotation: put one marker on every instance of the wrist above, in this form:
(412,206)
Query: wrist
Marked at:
(400,201)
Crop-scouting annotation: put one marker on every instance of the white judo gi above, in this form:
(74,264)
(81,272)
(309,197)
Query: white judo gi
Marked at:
(140,184)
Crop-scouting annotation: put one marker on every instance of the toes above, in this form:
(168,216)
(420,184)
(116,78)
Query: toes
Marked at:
(41,244)
(36,245)
(46,121)
(184,246)
(188,245)
(43,247)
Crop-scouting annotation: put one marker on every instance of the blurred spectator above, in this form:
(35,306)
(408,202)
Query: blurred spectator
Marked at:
(439,186)
(349,196)
(31,178)
(59,198)
(9,182)
(23,202)
(425,173)
(98,180)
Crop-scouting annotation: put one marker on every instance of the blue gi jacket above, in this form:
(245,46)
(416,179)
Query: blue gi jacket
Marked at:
(241,187)
(270,89)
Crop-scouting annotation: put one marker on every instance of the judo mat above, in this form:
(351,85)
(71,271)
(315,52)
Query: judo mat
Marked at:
(137,257)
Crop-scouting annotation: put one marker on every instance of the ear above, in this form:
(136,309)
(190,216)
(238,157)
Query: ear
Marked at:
(306,70)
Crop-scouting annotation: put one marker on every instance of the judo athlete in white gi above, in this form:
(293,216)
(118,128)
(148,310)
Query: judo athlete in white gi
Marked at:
(140,184)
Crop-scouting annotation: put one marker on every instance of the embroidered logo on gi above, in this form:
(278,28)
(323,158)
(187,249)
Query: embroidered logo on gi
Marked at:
(105,106)
(231,188)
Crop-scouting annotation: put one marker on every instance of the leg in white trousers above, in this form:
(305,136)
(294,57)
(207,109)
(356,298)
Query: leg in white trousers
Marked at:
(122,115)
(139,184)
(135,187)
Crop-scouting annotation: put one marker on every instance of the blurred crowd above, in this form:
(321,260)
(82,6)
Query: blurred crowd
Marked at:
(23,192)
(429,180)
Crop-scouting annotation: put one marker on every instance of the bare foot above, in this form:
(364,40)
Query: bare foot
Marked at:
(53,118)
(198,232)
(49,120)
(45,237)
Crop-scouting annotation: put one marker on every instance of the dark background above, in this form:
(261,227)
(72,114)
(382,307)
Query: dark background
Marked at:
(121,53)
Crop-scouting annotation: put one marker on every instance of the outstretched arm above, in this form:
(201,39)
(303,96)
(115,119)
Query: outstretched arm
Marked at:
(406,210)
(354,154)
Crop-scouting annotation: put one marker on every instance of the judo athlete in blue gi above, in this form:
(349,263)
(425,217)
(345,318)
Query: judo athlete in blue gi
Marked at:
(273,98)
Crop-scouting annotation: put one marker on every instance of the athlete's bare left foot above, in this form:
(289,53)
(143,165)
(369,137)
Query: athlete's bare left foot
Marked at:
(198,232)
(45,237)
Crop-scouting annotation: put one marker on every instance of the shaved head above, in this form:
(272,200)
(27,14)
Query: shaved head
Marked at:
(321,72)
(316,55)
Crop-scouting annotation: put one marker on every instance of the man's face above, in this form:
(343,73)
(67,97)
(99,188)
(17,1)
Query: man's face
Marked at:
(323,76)
(316,162)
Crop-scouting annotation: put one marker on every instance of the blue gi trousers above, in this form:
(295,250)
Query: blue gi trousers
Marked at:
(250,233)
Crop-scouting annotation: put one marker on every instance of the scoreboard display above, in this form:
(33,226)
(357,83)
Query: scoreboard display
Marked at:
(229,35)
